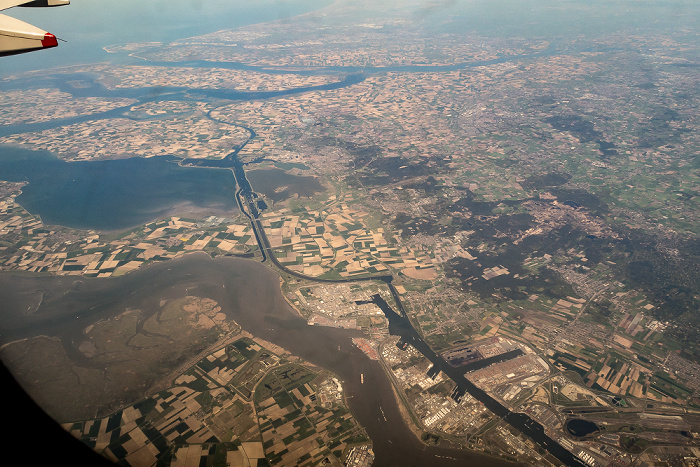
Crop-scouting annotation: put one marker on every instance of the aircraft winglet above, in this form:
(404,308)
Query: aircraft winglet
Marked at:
(18,37)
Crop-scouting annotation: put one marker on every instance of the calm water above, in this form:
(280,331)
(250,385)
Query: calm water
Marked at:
(580,427)
(111,194)
(90,25)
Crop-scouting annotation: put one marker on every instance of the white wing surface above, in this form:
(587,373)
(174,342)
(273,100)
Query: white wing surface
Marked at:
(5,4)
(18,37)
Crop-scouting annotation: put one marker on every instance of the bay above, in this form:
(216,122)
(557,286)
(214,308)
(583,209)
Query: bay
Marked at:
(112,194)
(89,25)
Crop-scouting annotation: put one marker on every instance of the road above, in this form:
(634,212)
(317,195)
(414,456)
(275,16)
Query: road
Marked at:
(399,323)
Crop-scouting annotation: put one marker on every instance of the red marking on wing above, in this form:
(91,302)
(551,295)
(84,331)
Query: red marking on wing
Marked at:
(49,40)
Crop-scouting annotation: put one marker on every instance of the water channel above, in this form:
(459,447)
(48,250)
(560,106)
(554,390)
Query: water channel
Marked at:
(399,323)
(249,292)
(249,298)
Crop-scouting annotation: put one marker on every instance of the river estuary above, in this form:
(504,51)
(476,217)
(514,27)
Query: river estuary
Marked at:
(249,292)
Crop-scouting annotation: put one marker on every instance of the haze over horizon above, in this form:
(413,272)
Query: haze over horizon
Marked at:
(352,232)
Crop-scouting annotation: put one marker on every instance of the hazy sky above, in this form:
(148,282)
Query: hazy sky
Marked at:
(89,25)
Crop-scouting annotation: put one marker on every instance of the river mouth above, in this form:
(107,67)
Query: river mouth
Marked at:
(249,294)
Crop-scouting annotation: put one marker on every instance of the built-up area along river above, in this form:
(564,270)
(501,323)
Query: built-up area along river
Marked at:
(371,400)
(399,323)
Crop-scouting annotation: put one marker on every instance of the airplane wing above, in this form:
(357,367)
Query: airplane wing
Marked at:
(18,37)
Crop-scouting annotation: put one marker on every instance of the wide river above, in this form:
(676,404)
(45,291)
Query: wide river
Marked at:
(248,290)
(249,293)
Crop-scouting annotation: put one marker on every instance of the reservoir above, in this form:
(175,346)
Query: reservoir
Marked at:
(579,427)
